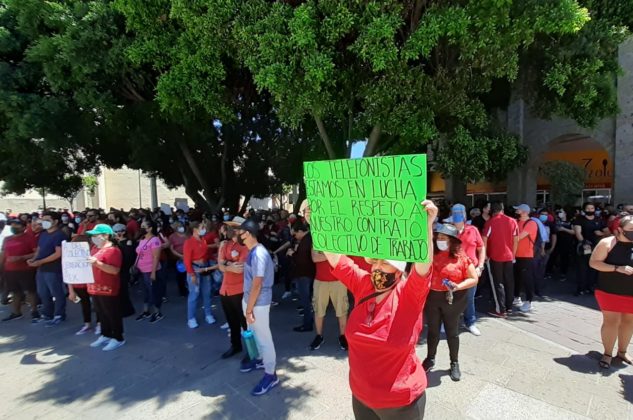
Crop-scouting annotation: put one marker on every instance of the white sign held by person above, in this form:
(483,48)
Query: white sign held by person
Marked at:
(76,268)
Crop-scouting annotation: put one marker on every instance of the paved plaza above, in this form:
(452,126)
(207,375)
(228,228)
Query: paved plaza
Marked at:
(541,366)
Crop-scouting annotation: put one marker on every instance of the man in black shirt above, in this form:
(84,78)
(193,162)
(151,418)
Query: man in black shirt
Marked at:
(303,272)
(589,230)
(480,221)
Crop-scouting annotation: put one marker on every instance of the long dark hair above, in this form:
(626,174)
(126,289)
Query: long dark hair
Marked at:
(454,247)
(149,222)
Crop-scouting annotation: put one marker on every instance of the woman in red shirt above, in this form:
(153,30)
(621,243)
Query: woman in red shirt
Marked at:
(106,263)
(453,273)
(231,259)
(195,257)
(386,377)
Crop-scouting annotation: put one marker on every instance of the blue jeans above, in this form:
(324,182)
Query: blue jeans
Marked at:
(305,288)
(203,286)
(50,285)
(469,313)
(153,291)
(217,276)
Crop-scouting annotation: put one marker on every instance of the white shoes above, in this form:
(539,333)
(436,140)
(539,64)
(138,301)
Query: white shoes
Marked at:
(209,319)
(98,329)
(517,302)
(85,329)
(113,345)
(100,341)
(474,330)
(192,323)
(224,326)
(526,307)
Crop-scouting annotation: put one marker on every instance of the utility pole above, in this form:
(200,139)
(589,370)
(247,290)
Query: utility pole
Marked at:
(153,192)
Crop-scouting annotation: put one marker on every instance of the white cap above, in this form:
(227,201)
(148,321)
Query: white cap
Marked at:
(399,265)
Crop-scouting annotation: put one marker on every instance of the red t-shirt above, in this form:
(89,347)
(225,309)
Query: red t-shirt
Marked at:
(471,240)
(361,262)
(454,269)
(526,245)
(132,228)
(211,238)
(233,283)
(385,371)
(324,272)
(194,250)
(85,227)
(500,231)
(18,246)
(106,284)
(177,241)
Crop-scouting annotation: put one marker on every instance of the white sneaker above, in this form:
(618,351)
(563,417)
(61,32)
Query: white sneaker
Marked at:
(517,302)
(85,329)
(526,307)
(113,345)
(224,326)
(192,323)
(100,341)
(474,330)
(286,295)
(98,329)
(210,320)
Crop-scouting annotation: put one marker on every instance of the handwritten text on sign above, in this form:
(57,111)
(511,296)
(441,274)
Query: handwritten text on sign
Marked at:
(369,207)
(75,266)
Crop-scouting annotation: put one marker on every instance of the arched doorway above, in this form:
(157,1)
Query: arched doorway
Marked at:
(589,154)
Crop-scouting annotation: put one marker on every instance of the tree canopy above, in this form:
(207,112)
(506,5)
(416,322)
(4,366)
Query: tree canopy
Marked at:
(227,97)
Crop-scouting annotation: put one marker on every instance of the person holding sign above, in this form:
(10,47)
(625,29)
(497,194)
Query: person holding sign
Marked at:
(386,377)
(453,275)
(106,260)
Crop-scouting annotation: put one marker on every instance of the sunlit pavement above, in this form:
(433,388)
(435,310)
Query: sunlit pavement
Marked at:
(537,366)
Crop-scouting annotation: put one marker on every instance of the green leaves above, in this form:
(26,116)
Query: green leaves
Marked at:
(566,182)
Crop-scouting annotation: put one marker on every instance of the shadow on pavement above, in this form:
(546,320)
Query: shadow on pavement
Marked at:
(588,363)
(627,387)
(160,363)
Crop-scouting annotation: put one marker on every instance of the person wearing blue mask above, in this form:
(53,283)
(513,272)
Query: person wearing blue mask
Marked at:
(549,238)
(473,246)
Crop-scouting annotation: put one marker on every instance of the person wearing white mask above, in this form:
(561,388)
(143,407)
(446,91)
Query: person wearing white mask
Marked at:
(176,246)
(198,279)
(106,260)
(453,274)
(47,260)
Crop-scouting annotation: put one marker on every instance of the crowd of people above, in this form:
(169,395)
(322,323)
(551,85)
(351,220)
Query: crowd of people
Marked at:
(487,251)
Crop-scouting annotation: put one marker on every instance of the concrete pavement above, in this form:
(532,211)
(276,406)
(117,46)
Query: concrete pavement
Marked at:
(540,366)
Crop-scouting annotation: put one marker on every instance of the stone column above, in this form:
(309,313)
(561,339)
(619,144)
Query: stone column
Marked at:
(623,164)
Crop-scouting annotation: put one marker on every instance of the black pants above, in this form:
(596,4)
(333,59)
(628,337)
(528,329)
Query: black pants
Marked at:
(232,306)
(108,310)
(439,312)
(524,278)
(586,276)
(502,284)
(86,306)
(413,411)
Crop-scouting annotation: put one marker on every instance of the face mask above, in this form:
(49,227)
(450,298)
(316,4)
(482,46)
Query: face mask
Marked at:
(98,241)
(181,229)
(227,217)
(46,224)
(543,218)
(442,245)
(458,218)
(202,232)
(65,219)
(590,213)
(16,231)
(628,234)
(77,219)
(382,280)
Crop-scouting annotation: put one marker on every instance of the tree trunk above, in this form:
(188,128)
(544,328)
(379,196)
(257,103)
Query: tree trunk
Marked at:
(193,166)
(301,196)
(192,191)
(324,136)
(244,206)
(372,142)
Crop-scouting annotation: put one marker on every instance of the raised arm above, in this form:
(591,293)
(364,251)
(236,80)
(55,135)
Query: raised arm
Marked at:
(431,212)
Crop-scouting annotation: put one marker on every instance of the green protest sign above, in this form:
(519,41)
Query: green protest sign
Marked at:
(369,207)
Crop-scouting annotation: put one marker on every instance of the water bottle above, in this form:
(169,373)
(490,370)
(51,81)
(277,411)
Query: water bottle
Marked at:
(449,294)
(251,346)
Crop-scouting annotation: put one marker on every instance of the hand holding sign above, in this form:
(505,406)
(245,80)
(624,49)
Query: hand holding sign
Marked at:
(369,207)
